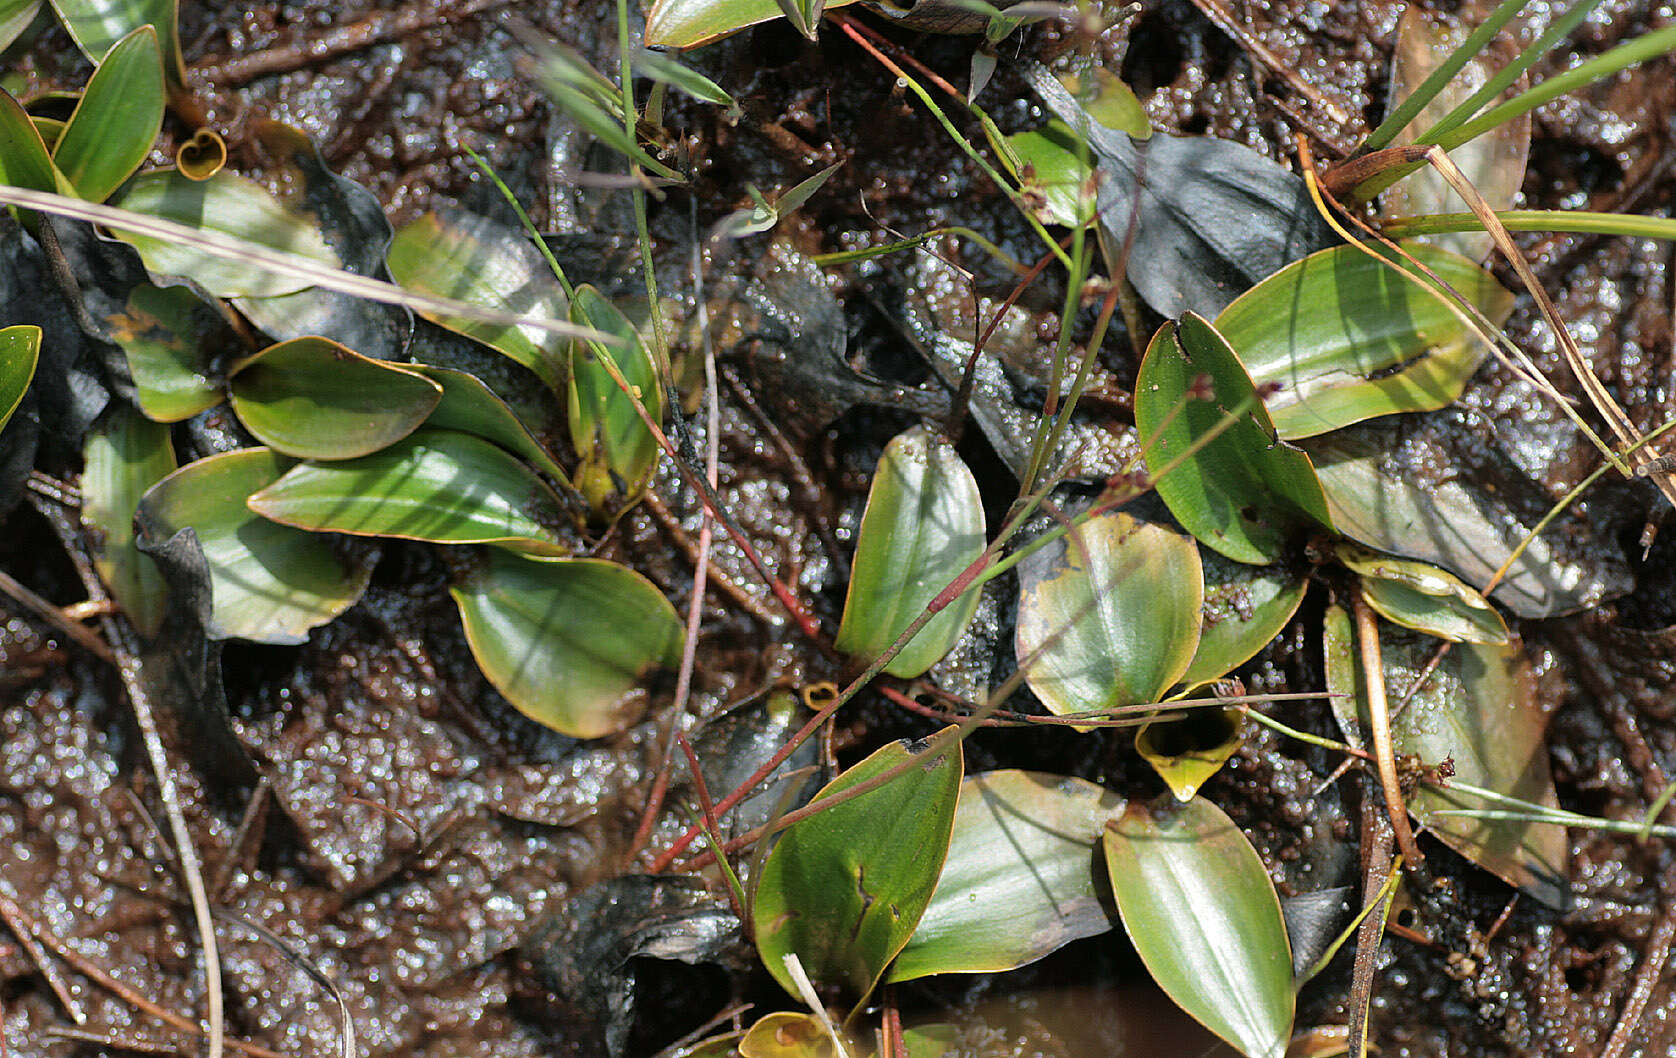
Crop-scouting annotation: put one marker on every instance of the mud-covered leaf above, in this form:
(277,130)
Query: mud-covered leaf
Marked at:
(313,399)
(1108,615)
(268,582)
(1246,493)
(1211,218)
(1203,915)
(1423,597)
(470,406)
(172,339)
(1187,752)
(616,452)
(923,527)
(844,888)
(20,351)
(232,205)
(1245,607)
(1023,842)
(117,120)
(24,159)
(436,485)
(471,258)
(1432,488)
(1478,710)
(1342,336)
(124,456)
(569,643)
(97,26)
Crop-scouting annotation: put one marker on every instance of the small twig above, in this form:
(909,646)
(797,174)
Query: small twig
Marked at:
(346,1027)
(1225,21)
(21,929)
(1379,721)
(255,813)
(111,1042)
(716,579)
(1646,979)
(52,615)
(1376,846)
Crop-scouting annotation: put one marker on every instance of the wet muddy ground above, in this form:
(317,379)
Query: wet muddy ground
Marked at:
(414,832)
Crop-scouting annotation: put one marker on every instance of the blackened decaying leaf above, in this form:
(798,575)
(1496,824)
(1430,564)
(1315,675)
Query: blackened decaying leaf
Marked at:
(586,958)
(1314,921)
(730,747)
(1213,217)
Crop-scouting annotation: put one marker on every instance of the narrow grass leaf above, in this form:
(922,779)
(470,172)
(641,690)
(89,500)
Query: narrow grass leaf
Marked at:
(311,398)
(1341,336)
(569,643)
(269,583)
(1108,615)
(1244,493)
(125,455)
(20,351)
(923,527)
(844,889)
(1023,842)
(115,124)
(1202,912)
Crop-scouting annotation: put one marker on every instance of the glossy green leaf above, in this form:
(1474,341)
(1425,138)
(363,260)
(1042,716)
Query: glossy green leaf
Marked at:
(15,17)
(1478,710)
(20,351)
(1023,842)
(787,1034)
(171,337)
(1108,615)
(125,455)
(117,120)
(232,205)
(923,527)
(436,485)
(313,399)
(1203,914)
(1423,597)
(97,26)
(616,452)
(469,406)
(569,643)
(1059,172)
(269,583)
(668,70)
(474,259)
(1245,608)
(1187,752)
(1244,493)
(1343,336)
(844,889)
(24,160)
(689,23)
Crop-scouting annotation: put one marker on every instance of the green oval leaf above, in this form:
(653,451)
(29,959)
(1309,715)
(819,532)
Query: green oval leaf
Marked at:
(229,204)
(844,889)
(311,398)
(923,527)
(117,120)
(1244,493)
(1109,614)
(1245,607)
(15,17)
(24,161)
(97,25)
(569,643)
(1203,914)
(170,337)
(470,406)
(1420,596)
(436,485)
(1477,709)
(1054,168)
(1018,882)
(269,583)
(472,258)
(1375,339)
(20,351)
(617,453)
(125,455)
(689,23)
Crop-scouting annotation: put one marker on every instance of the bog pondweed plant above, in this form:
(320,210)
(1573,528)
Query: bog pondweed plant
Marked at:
(1122,618)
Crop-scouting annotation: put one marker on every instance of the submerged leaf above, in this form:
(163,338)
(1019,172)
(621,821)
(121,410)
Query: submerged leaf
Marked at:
(1025,842)
(124,456)
(923,527)
(1342,336)
(1203,915)
(844,888)
(1108,615)
(311,398)
(269,583)
(569,643)
(1244,492)
(437,485)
